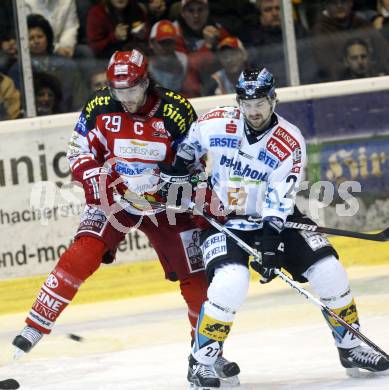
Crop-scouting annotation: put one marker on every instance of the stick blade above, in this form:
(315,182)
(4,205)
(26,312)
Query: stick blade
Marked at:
(385,234)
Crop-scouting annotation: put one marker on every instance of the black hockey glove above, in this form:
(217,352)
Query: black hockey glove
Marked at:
(271,247)
(174,184)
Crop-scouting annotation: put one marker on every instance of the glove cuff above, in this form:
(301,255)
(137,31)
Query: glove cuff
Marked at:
(273,225)
(78,172)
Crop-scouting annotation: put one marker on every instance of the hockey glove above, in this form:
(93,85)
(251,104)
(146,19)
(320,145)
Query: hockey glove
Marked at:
(271,247)
(97,183)
(174,184)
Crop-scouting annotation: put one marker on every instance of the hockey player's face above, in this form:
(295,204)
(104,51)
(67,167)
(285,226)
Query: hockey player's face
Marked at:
(132,98)
(256,111)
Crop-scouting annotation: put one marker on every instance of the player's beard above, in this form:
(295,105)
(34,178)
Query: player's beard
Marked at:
(259,119)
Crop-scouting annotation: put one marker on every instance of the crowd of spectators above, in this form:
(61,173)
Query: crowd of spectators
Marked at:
(196,47)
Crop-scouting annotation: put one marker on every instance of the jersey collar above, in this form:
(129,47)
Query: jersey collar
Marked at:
(254,136)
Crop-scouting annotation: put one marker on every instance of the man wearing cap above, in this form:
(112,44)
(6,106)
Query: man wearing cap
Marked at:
(170,68)
(232,56)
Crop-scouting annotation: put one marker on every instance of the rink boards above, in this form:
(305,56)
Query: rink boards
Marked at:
(127,280)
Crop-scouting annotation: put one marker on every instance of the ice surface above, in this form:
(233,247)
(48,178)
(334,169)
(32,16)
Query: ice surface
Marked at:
(279,340)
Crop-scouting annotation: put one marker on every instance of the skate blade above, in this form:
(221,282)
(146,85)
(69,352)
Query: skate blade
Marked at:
(232,381)
(195,387)
(353,372)
(18,353)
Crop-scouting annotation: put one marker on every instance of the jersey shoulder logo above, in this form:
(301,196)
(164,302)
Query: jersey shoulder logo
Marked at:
(221,113)
(286,138)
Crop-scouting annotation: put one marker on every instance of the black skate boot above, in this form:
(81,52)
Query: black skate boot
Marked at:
(362,357)
(27,339)
(201,376)
(227,371)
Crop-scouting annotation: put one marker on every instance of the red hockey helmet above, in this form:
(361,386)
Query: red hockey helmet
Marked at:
(126,69)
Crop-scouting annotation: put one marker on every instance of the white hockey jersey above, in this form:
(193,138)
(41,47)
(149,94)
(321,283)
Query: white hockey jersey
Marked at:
(255,176)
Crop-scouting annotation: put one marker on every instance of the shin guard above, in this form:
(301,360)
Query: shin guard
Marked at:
(210,335)
(81,259)
(329,280)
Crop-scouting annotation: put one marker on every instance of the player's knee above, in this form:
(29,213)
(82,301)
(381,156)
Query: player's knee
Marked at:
(329,280)
(83,257)
(229,286)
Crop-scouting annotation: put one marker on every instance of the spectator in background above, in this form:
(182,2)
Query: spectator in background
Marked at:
(44,60)
(98,78)
(234,15)
(9,99)
(358,61)
(7,25)
(8,51)
(63,20)
(170,68)
(264,40)
(199,36)
(117,25)
(156,10)
(333,29)
(381,21)
(48,94)
(233,56)
(197,30)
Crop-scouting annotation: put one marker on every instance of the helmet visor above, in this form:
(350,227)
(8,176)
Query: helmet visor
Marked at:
(130,94)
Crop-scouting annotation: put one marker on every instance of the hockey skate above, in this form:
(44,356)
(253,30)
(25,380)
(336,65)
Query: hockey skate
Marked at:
(362,357)
(26,340)
(227,371)
(201,376)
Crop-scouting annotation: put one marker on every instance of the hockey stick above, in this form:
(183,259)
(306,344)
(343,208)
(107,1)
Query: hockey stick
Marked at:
(248,249)
(381,236)
(290,224)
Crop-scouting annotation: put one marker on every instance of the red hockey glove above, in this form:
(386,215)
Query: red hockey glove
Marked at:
(97,183)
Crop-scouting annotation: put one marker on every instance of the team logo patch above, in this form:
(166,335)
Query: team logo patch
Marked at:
(191,242)
(285,137)
(51,281)
(231,128)
(297,156)
(278,149)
